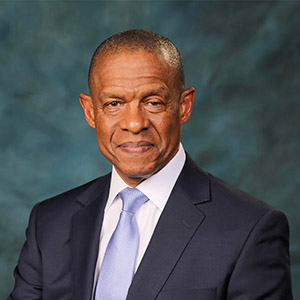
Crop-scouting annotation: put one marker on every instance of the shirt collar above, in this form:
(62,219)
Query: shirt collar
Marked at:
(158,187)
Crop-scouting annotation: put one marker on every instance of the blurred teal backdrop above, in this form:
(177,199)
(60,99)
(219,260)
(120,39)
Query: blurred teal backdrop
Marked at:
(243,58)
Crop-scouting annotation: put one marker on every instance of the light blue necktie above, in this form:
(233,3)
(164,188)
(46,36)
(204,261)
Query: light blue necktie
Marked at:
(118,264)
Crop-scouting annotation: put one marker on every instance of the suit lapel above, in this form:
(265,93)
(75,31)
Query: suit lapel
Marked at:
(177,225)
(85,233)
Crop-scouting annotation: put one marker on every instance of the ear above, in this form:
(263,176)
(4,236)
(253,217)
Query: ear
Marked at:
(186,104)
(87,104)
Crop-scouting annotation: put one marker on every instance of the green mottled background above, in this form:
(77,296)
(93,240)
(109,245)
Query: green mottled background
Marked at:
(243,58)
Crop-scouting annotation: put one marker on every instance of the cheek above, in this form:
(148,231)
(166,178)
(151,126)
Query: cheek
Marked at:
(104,130)
(168,129)
(170,123)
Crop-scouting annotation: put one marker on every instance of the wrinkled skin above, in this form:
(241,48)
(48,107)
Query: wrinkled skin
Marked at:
(137,110)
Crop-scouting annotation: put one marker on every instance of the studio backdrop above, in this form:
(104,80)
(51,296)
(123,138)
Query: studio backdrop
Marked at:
(243,58)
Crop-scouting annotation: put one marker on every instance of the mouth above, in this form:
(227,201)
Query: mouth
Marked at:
(136,147)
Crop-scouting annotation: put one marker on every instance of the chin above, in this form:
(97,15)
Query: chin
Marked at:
(141,173)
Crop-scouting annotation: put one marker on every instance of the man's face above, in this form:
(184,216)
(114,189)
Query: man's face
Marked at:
(137,111)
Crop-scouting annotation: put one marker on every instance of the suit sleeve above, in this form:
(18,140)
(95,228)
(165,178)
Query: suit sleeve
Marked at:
(262,270)
(28,273)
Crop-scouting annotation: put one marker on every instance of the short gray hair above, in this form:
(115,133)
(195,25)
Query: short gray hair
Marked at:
(139,39)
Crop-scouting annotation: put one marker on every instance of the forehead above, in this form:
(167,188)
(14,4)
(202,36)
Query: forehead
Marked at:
(130,69)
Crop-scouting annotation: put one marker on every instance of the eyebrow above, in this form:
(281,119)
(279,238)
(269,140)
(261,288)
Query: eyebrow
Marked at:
(117,95)
(110,95)
(154,92)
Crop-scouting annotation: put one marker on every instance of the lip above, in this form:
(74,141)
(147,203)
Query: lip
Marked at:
(136,147)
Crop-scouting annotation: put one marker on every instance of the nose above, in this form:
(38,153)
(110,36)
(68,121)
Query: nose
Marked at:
(133,119)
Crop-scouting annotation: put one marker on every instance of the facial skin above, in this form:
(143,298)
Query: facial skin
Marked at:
(137,111)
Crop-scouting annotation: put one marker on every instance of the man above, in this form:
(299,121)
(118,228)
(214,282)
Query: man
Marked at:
(192,236)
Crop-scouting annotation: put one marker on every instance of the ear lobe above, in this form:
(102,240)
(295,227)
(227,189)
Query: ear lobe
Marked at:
(87,104)
(186,104)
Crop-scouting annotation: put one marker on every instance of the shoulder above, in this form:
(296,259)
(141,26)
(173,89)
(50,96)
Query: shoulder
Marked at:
(233,219)
(224,200)
(243,209)
(73,199)
(231,197)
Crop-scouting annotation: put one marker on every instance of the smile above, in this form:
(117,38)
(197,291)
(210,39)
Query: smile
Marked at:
(136,147)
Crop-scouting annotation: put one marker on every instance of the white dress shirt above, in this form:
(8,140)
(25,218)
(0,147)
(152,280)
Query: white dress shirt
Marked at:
(157,188)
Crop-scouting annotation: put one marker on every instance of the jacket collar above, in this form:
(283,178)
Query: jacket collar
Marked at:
(178,223)
(85,234)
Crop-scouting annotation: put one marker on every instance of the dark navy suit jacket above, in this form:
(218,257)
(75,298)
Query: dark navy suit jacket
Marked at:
(212,242)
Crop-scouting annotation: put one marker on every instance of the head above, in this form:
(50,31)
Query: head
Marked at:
(140,40)
(137,102)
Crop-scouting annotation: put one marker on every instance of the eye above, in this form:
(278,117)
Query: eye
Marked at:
(112,103)
(112,106)
(155,105)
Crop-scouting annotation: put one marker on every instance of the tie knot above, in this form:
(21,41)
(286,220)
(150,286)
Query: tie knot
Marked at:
(132,199)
